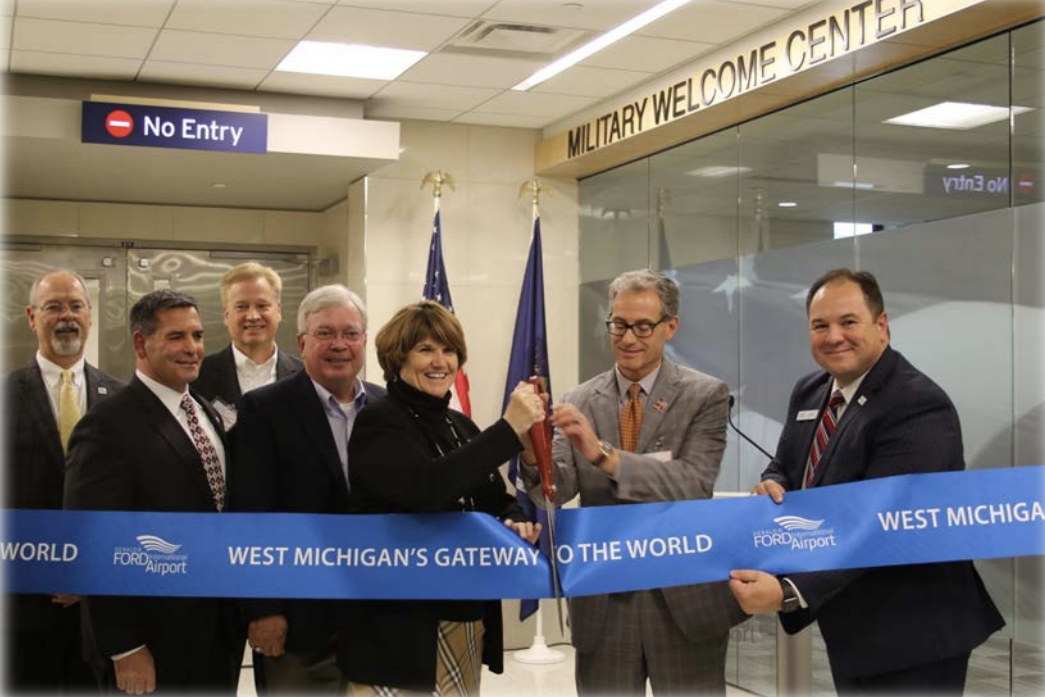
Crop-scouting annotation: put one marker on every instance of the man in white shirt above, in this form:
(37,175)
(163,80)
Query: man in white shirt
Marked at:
(252,297)
(157,446)
(45,400)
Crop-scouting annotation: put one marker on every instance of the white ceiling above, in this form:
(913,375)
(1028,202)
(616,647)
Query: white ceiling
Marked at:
(236,44)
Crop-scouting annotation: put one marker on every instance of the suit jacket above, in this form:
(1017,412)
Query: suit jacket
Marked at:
(890,618)
(130,454)
(286,461)
(34,473)
(218,379)
(397,465)
(685,414)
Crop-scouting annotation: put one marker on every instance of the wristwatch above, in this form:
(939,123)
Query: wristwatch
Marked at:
(791,602)
(605,450)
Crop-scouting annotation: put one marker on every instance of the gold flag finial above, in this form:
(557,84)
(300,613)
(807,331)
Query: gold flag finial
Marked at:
(534,188)
(437,179)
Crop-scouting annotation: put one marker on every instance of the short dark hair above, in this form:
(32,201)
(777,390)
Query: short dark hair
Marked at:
(410,326)
(865,279)
(144,313)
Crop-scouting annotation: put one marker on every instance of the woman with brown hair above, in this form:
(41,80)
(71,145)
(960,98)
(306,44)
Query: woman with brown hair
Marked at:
(411,453)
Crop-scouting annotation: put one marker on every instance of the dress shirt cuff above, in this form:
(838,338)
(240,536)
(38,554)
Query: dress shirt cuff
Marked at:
(125,654)
(801,601)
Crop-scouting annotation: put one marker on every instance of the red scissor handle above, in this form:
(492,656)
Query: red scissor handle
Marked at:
(541,437)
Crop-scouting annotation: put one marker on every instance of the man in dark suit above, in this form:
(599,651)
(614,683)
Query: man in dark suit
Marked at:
(252,297)
(291,445)
(45,399)
(870,414)
(646,430)
(156,446)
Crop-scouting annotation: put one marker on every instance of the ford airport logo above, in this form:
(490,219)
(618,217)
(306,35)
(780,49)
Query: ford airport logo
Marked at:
(157,544)
(796,532)
(791,523)
(152,555)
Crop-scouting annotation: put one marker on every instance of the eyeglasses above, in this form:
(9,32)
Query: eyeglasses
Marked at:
(56,308)
(641,330)
(326,335)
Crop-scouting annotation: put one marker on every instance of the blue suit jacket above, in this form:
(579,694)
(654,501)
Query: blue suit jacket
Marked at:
(884,619)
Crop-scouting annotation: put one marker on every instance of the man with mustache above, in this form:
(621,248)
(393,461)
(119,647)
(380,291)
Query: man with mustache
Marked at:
(251,296)
(45,399)
(157,446)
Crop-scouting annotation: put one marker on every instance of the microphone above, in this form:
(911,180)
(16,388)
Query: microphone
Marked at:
(729,417)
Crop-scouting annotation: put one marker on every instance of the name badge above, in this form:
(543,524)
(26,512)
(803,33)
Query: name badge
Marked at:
(807,415)
(663,455)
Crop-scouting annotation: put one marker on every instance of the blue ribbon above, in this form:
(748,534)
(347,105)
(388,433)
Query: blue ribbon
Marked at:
(897,520)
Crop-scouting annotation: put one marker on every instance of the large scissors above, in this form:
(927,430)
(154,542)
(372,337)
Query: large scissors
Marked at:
(541,438)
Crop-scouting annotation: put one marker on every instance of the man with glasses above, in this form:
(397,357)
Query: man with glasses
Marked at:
(646,430)
(45,400)
(291,456)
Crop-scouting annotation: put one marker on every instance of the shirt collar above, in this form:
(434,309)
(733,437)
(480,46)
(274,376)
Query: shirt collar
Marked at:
(647,382)
(244,362)
(52,372)
(850,390)
(170,398)
(359,401)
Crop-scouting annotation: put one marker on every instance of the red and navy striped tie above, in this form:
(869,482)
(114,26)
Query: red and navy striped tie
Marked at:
(824,430)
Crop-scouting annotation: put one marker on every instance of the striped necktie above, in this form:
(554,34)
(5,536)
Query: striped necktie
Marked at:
(68,409)
(824,430)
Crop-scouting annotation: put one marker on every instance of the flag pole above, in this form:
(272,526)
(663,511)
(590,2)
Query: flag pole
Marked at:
(539,652)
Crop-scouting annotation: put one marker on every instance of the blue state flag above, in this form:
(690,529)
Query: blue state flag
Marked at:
(529,358)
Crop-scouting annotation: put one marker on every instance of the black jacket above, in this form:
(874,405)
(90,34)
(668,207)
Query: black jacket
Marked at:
(396,466)
(218,378)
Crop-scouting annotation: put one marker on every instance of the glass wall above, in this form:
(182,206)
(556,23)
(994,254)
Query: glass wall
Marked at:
(949,215)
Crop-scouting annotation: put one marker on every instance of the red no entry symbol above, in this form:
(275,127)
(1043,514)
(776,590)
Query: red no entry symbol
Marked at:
(119,124)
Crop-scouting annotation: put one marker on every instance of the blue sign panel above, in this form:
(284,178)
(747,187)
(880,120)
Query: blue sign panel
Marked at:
(167,127)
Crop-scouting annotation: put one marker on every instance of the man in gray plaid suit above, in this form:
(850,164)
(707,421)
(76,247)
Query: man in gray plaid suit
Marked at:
(646,430)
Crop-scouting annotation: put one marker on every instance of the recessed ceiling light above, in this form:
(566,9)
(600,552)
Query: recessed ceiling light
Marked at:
(714,172)
(959,165)
(595,45)
(787,204)
(349,60)
(218,185)
(958,116)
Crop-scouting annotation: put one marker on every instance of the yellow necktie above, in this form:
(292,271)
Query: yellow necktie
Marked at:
(631,419)
(68,409)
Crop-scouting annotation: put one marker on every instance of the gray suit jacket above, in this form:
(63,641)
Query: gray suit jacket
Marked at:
(685,414)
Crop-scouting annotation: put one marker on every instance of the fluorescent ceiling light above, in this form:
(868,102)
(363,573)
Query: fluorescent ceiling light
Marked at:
(959,165)
(595,45)
(714,172)
(853,185)
(349,60)
(958,116)
(843,230)
(787,204)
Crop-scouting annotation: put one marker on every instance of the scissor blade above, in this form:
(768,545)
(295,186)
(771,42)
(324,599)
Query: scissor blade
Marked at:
(556,585)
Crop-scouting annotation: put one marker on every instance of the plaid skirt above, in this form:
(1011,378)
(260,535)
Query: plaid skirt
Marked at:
(458,665)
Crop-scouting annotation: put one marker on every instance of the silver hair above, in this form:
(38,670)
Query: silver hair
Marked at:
(647,279)
(334,295)
(54,272)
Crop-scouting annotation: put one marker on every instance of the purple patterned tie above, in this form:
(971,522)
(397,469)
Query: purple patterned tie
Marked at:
(824,430)
(211,463)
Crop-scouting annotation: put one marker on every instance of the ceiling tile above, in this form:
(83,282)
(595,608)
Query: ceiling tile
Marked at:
(134,14)
(82,38)
(510,120)
(647,54)
(436,96)
(597,15)
(396,111)
(711,21)
(5,60)
(271,18)
(5,31)
(470,71)
(7,7)
(535,104)
(220,49)
(591,82)
(323,85)
(787,4)
(392,29)
(204,75)
(450,8)
(95,67)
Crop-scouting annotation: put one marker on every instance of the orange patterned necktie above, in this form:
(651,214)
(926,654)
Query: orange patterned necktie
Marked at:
(631,419)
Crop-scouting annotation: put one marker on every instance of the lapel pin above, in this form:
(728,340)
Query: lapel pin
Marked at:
(661,406)
(103,390)
(862,401)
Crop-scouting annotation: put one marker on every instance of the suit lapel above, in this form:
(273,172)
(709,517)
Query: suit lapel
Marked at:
(313,417)
(97,389)
(665,391)
(229,378)
(39,405)
(605,408)
(285,365)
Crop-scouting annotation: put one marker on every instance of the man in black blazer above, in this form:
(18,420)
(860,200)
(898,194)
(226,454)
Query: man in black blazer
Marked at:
(291,456)
(156,446)
(42,632)
(899,629)
(252,297)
